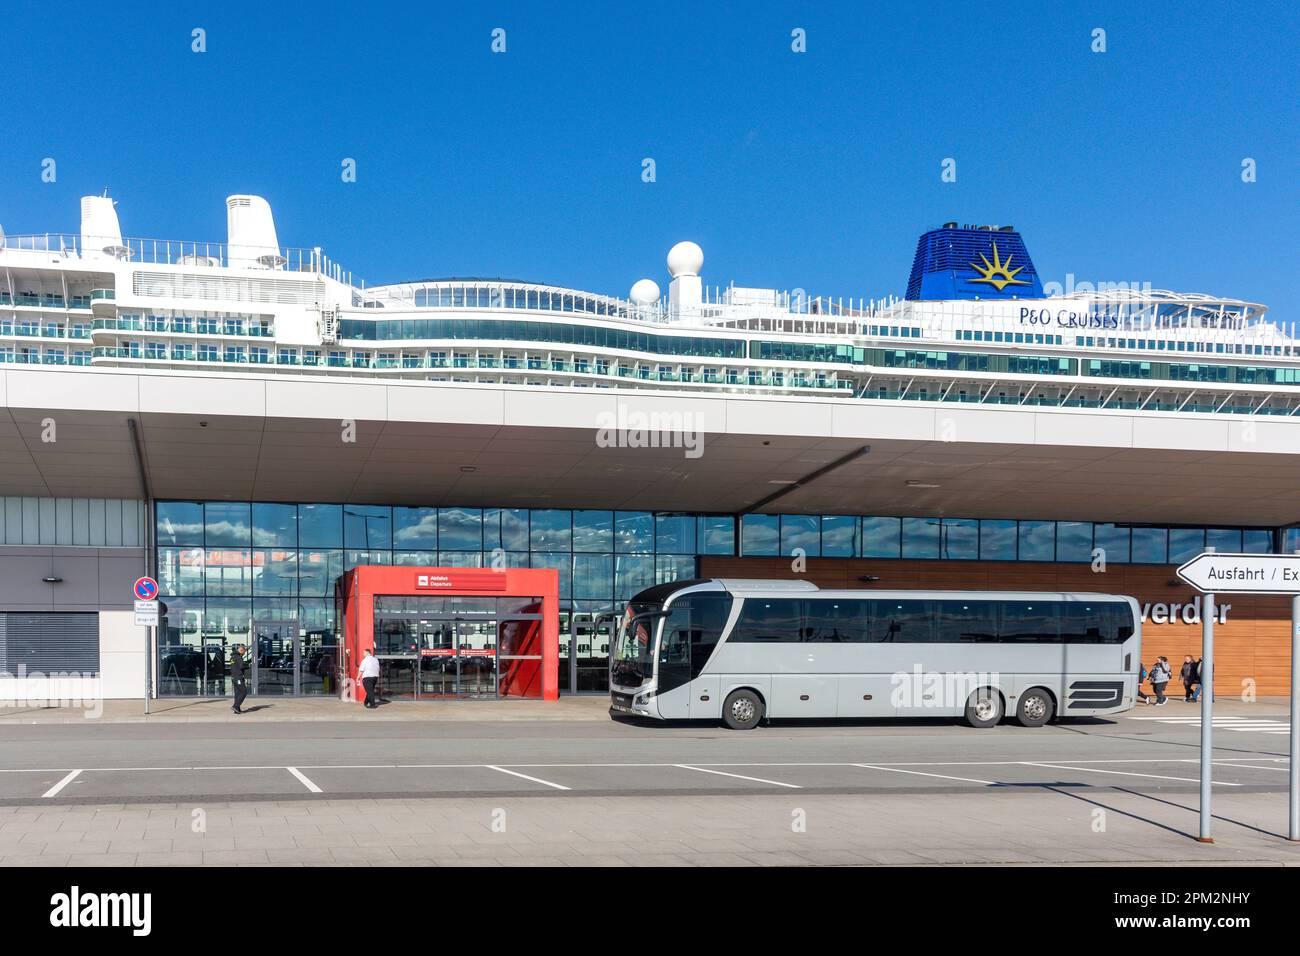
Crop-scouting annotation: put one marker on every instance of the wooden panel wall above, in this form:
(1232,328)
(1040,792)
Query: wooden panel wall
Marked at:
(1252,648)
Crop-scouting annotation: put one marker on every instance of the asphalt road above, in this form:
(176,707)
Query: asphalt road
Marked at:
(139,763)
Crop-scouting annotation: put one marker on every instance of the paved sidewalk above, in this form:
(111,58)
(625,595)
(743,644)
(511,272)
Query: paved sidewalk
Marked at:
(280,709)
(1036,826)
(593,707)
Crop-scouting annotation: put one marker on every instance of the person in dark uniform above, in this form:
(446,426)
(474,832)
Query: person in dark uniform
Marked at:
(238,678)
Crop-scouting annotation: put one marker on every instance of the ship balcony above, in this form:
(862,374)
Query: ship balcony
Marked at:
(102,303)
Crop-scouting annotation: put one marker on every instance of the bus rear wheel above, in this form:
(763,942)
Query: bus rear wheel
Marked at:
(742,710)
(984,708)
(1035,708)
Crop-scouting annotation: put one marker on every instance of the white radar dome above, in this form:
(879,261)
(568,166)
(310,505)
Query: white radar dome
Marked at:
(645,291)
(685,259)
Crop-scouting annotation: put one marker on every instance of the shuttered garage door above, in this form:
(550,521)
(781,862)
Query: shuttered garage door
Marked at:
(50,642)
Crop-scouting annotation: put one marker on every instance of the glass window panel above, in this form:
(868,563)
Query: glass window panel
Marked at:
(227,524)
(228,572)
(921,537)
(674,534)
(593,576)
(1030,622)
(415,559)
(561,561)
(634,533)
(760,535)
(1073,541)
(716,534)
(317,572)
(275,526)
(185,667)
(227,622)
(460,529)
(1224,539)
(1257,541)
(552,530)
(594,531)
(360,557)
(903,622)
(997,540)
(881,537)
(674,567)
(180,571)
(1150,546)
(839,536)
(179,523)
(803,532)
(1113,541)
(768,621)
(275,572)
(514,529)
(1185,544)
(961,539)
(320,526)
(967,622)
(367,527)
(460,559)
(1037,541)
(632,573)
(415,529)
(835,621)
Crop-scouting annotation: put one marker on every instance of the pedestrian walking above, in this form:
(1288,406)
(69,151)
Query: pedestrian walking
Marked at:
(368,674)
(1187,674)
(1142,676)
(1196,681)
(238,664)
(1160,676)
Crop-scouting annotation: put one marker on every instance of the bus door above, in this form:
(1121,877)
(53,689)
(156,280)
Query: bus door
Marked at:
(686,688)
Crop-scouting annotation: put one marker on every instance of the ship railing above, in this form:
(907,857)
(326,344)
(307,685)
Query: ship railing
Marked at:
(196,254)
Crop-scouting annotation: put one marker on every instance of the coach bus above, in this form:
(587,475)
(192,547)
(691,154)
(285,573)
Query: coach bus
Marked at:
(743,651)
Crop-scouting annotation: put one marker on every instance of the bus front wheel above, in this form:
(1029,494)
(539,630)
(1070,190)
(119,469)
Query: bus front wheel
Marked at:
(742,710)
(1035,708)
(984,708)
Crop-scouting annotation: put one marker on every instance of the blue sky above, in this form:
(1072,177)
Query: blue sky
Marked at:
(815,170)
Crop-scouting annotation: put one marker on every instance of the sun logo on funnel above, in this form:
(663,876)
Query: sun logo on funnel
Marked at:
(997,273)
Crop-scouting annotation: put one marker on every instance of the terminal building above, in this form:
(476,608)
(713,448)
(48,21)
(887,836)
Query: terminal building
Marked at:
(250,424)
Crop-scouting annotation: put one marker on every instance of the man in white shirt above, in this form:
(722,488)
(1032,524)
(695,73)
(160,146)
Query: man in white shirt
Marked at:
(368,674)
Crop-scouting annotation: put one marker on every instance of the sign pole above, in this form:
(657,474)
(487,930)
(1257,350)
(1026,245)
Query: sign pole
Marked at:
(1293,828)
(1207,713)
(1212,573)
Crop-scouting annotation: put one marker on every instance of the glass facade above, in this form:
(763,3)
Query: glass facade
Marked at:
(262,573)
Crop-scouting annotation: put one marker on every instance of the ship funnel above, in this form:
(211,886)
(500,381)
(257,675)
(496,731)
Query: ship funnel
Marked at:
(250,234)
(101,235)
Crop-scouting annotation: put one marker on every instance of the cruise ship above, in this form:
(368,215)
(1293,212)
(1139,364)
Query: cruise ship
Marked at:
(974,325)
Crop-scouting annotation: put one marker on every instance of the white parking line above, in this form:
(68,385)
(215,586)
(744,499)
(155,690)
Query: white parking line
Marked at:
(739,776)
(302,777)
(1124,773)
(515,773)
(54,790)
(919,773)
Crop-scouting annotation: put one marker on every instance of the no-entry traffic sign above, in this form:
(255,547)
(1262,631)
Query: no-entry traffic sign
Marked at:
(1214,572)
(145,589)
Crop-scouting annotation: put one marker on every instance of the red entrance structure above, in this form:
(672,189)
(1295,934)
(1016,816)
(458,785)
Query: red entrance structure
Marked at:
(452,632)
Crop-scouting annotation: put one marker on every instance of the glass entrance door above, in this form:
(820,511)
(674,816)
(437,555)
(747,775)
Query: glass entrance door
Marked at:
(457,659)
(275,659)
(438,666)
(476,654)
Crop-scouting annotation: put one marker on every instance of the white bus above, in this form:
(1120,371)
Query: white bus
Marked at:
(743,651)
